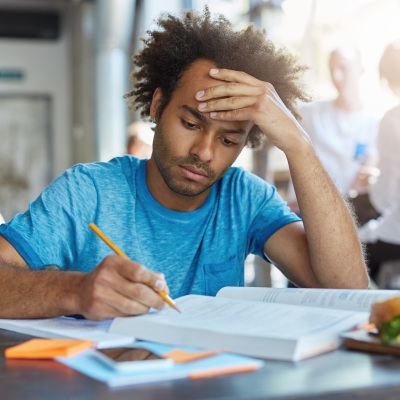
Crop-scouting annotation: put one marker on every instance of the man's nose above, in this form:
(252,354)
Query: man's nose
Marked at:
(203,147)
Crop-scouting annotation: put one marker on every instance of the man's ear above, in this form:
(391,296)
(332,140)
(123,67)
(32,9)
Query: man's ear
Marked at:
(155,103)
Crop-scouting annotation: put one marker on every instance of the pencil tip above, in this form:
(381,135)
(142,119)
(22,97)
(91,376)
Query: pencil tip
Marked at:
(177,309)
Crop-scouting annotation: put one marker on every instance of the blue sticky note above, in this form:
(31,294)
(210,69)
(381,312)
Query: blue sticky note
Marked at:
(90,365)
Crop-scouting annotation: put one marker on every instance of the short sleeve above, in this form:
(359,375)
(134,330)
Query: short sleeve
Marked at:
(274,214)
(265,210)
(51,231)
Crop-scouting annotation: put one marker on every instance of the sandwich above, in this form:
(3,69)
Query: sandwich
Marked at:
(386,316)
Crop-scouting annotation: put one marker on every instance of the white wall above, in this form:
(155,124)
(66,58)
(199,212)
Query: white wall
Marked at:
(46,68)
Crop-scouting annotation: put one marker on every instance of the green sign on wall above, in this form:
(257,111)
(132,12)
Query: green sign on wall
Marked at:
(8,74)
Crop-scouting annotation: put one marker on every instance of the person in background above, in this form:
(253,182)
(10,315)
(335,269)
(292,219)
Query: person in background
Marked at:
(185,216)
(139,135)
(382,235)
(342,132)
(2,219)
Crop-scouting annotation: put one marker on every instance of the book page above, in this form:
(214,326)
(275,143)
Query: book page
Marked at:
(343,299)
(206,313)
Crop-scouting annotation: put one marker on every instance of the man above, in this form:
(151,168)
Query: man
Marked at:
(342,131)
(184,213)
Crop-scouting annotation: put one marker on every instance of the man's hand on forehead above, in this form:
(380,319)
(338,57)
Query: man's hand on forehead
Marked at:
(241,97)
(238,91)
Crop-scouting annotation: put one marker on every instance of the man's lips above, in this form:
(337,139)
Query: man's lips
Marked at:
(194,170)
(193,173)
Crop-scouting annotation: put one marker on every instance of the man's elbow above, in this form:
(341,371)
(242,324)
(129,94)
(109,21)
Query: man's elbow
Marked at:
(362,283)
(357,281)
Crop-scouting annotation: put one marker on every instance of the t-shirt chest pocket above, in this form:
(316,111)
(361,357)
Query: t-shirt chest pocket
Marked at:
(218,275)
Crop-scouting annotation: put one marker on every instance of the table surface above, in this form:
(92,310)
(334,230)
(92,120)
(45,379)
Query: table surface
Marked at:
(339,375)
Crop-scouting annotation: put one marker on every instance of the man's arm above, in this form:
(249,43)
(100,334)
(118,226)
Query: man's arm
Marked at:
(327,251)
(117,287)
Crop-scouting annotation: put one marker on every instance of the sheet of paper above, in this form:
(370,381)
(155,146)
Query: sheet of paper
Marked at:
(65,327)
(203,313)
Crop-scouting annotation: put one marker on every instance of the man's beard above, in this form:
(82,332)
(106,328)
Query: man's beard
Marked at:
(161,152)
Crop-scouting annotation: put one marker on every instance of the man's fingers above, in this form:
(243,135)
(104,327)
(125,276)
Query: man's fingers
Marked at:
(120,287)
(105,303)
(133,299)
(130,287)
(243,114)
(137,273)
(230,75)
(134,292)
(230,103)
(228,90)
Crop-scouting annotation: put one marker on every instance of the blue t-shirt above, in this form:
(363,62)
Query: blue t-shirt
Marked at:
(198,251)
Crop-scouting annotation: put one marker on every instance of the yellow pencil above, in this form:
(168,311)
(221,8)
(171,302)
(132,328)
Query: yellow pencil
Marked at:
(102,236)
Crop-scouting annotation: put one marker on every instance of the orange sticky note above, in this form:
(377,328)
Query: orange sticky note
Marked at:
(222,371)
(47,348)
(181,356)
(365,327)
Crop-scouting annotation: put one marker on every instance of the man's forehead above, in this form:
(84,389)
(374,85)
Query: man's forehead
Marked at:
(197,77)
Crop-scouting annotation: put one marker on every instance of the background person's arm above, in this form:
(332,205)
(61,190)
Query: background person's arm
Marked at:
(117,287)
(384,194)
(386,191)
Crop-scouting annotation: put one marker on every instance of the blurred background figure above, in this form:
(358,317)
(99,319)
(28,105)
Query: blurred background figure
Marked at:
(382,235)
(342,132)
(139,139)
(2,220)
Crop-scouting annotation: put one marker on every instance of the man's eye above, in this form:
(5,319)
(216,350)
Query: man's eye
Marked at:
(189,125)
(228,142)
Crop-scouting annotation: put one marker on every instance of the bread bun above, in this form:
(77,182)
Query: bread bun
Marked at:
(385,311)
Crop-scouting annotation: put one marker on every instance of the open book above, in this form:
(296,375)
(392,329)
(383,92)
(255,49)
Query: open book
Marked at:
(283,324)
